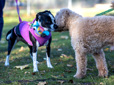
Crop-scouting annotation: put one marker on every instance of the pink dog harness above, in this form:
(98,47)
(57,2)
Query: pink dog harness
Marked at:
(24,29)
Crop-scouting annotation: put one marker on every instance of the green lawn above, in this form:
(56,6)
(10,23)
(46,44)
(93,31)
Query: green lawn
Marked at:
(64,67)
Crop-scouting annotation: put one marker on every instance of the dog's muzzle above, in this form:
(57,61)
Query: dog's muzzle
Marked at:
(55,26)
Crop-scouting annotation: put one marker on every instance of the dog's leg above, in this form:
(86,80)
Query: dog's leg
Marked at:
(34,53)
(48,54)
(101,63)
(30,47)
(81,62)
(11,44)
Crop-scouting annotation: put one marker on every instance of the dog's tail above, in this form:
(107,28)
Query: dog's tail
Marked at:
(8,35)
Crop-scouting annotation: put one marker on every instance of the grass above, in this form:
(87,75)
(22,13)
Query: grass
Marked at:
(61,74)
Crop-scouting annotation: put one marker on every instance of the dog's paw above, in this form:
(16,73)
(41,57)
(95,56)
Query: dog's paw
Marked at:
(103,74)
(6,64)
(48,63)
(35,70)
(49,66)
(79,76)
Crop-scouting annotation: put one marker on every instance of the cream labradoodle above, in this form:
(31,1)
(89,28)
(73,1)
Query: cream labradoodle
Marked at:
(88,35)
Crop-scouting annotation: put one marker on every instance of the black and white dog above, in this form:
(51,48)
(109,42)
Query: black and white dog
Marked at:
(44,19)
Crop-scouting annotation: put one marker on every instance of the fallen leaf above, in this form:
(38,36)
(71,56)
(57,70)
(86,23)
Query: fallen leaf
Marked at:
(106,49)
(59,49)
(33,73)
(22,67)
(54,76)
(42,83)
(69,65)
(64,55)
(43,51)
(55,63)
(60,81)
(64,37)
(55,39)
(21,49)
(26,72)
(61,56)
(101,83)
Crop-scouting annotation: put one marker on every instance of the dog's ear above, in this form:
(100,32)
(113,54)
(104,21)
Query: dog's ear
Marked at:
(46,11)
(38,16)
(40,13)
(67,12)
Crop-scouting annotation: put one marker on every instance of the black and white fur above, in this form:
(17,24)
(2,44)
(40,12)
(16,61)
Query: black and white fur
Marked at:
(47,21)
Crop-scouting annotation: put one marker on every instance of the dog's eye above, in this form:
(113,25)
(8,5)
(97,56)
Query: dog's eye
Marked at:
(48,22)
(54,21)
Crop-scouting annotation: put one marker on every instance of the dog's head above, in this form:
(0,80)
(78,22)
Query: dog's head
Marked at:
(61,19)
(46,20)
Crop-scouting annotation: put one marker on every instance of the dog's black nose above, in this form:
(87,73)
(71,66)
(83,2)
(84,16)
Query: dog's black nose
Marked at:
(55,26)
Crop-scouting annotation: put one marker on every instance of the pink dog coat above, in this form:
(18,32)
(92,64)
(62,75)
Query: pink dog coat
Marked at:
(24,29)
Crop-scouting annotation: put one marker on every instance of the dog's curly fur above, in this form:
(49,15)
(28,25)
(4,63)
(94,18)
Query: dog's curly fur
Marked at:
(88,35)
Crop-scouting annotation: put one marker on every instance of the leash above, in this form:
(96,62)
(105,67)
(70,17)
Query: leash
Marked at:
(109,10)
(105,12)
(20,20)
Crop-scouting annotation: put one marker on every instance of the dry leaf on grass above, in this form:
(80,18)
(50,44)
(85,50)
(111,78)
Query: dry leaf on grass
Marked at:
(21,49)
(26,72)
(64,37)
(33,73)
(63,55)
(42,83)
(59,49)
(22,67)
(55,39)
(69,65)
(43,51)
(106,49)
(60,81)
(54,76)
(55,63)
(101,83)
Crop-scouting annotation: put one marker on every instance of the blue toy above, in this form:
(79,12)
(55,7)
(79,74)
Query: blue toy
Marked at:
(40,30)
